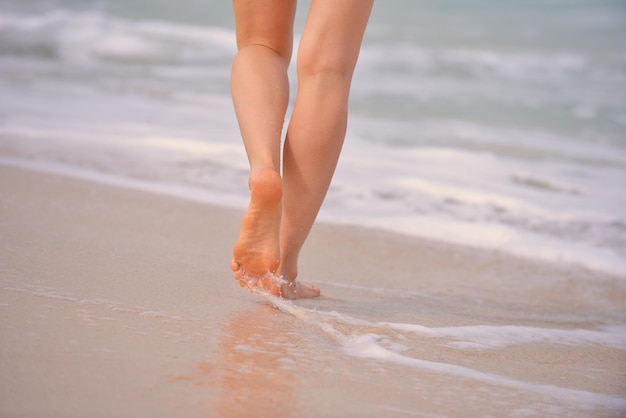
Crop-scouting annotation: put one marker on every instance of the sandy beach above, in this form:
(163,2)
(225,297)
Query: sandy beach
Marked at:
(117,302)
(471,249)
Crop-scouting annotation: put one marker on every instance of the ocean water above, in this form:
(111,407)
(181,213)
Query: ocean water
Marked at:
(493,124)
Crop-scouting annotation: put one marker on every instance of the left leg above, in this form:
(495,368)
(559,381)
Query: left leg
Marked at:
(260,92)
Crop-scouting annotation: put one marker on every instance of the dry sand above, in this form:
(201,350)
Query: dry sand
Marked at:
(117,303)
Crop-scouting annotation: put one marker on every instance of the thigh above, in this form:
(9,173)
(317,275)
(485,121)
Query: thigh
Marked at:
(332,35)
(265,22)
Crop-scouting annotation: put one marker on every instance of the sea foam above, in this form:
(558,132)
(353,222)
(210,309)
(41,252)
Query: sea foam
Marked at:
(371,345)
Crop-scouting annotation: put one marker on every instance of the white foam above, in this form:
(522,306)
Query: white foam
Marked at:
(427,191)
(83,38)
(491,337)
(369,346)
(487,337)
(478,62)
(492,235)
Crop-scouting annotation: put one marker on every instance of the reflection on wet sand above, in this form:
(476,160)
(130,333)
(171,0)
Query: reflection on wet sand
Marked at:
(254,373)
(257,366)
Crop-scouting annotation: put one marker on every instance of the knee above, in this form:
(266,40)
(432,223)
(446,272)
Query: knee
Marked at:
(280,45)
(315,60)
(284,53)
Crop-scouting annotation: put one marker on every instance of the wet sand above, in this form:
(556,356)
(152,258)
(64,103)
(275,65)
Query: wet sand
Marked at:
(117,302)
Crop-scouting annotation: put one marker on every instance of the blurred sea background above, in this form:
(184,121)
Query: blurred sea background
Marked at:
(493,124)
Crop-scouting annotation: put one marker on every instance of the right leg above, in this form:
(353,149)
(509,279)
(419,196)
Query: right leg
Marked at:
(327,55)
(260,92)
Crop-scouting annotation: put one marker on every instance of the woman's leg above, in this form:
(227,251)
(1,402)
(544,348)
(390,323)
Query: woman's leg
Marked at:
(327,55)
(260,92)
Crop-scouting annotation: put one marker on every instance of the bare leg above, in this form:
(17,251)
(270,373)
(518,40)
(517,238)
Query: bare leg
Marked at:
(327,56)
(260,92)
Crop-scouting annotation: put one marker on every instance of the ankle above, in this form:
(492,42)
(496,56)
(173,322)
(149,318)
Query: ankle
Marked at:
(288,273)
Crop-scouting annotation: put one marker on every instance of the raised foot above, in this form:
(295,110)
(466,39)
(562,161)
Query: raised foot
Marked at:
(256,252)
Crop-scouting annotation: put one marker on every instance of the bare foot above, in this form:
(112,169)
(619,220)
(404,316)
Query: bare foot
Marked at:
(277,286)
(297,290)
(256,253)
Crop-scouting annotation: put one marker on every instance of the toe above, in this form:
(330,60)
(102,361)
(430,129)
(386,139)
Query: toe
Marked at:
(308,291)
(253,282)
(265,283)
(275,290)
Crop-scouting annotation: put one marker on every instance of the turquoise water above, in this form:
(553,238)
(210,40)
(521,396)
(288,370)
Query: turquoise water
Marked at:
(499,125)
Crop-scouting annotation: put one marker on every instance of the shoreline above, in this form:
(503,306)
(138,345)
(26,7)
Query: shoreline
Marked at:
(121,302)
(234,202)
